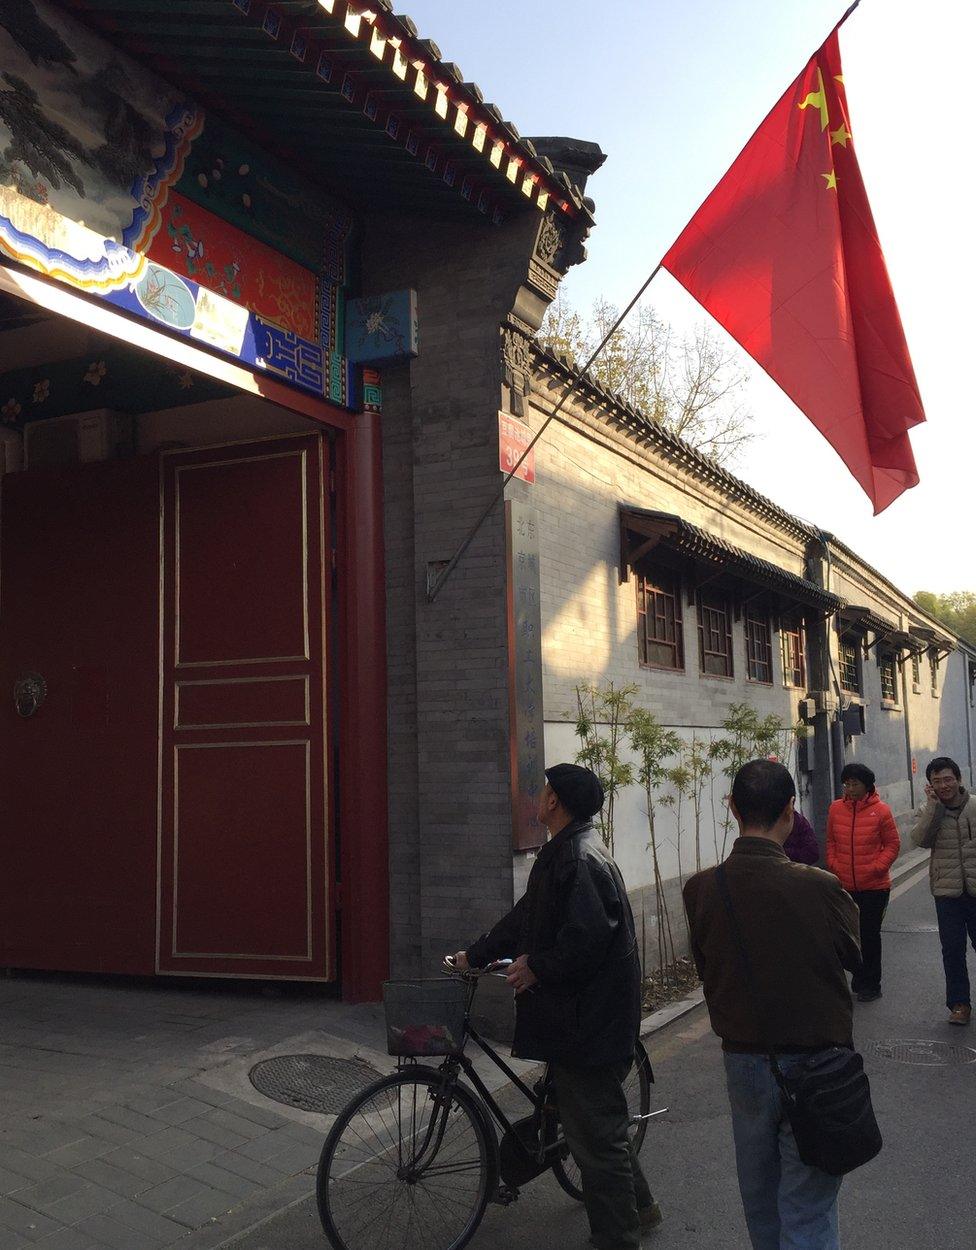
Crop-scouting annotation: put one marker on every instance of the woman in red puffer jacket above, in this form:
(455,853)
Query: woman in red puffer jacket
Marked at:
(862,844)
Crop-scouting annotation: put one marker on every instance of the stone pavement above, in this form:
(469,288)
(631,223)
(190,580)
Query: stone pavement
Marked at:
(128,1120)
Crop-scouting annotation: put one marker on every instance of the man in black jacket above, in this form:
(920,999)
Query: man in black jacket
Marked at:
(577,982)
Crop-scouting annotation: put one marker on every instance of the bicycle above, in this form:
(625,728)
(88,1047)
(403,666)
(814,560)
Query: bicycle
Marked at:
(413,1161)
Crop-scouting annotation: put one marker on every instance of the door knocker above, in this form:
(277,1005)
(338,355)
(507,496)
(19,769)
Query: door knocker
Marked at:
(29,692)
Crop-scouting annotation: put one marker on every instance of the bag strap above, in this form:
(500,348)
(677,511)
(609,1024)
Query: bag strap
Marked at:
(759,1013)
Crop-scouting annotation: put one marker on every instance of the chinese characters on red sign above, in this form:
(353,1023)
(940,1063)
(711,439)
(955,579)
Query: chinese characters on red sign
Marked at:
(513,438)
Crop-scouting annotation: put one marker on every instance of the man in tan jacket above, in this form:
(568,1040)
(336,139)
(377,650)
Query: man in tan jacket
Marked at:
(946,823)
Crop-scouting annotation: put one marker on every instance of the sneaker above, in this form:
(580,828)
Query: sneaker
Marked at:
(960,1014)
(868,996)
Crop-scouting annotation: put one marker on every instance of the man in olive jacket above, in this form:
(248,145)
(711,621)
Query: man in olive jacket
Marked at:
(577,982)
(946,823)
(799,929)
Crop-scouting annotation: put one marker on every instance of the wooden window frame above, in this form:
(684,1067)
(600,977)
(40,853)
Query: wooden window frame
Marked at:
(916,673)
(793,652)
(657,593)
(853,641)
(934,673)
(888,662)
(759,650)
(716,606)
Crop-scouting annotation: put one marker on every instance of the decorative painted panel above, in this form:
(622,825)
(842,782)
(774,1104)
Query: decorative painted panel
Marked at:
(115,377)
(382,327)
(113,183)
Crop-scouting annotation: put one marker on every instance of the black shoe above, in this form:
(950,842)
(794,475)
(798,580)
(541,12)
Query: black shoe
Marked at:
(868,996)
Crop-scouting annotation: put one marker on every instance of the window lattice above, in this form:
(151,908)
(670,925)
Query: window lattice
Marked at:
(794,654)
(759,649)
(850,666)
(889,681)
(659,624)
(715,636)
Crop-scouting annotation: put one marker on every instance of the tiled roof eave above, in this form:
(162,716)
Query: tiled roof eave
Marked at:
(694,543)
(624,416)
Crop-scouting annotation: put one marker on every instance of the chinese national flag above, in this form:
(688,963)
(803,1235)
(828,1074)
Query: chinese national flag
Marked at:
(784,253)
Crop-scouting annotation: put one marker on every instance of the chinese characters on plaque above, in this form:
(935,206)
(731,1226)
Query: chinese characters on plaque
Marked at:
(514,437)
(525,673)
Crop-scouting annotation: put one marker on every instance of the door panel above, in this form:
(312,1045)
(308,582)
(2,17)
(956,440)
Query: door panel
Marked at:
(79,599)
(244,824)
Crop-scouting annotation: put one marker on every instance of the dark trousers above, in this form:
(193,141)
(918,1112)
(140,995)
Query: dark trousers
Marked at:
(594,1115)
(957,918)
(872,905)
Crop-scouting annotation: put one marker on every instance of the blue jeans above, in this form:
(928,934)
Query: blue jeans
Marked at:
(788,1206)
(957,916)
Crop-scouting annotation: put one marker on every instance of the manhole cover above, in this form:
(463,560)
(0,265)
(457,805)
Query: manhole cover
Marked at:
(911,928)
(311,1082)
(927,1054)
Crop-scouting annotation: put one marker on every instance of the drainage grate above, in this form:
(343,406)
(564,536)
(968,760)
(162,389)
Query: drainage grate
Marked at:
(926,1054)
(311,1082)
(910,928)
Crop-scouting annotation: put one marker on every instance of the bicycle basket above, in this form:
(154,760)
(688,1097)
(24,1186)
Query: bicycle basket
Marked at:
(424,1017)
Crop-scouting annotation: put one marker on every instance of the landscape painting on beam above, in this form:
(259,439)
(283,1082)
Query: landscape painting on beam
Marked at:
(92,150)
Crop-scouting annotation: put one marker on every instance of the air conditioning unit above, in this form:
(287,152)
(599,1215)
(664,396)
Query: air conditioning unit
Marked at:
(80,438)
(807,709)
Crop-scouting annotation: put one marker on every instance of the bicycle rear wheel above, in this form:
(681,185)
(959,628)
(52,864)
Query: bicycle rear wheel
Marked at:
(406,1166)
(637,1087)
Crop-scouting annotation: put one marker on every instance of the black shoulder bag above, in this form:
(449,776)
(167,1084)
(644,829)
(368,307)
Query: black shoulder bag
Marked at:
(826,1097)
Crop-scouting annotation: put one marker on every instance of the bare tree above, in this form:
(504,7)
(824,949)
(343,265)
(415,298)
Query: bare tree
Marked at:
(690,384)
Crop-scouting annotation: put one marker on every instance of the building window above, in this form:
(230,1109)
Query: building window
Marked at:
(715,636)
(659,629)
(794,648)
(916,672)
(934,671)
(889,680)
(850,663)
(759,649)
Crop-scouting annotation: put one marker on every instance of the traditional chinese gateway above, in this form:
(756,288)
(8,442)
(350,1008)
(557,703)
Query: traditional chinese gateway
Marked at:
(217,223)
(270,276)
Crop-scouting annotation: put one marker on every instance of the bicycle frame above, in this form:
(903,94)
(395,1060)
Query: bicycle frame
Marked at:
(536,1096)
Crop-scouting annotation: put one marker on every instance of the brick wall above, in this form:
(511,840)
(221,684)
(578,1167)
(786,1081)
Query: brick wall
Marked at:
(450,819)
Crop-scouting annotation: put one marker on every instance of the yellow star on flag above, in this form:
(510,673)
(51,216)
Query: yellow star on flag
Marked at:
(818,100)
(831,180)
(840,135)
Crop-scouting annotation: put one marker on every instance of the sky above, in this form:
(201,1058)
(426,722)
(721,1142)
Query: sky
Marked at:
(671,92)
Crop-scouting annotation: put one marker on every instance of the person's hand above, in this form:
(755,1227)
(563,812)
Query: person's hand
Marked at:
(929,792)
(520,976)
(460,961)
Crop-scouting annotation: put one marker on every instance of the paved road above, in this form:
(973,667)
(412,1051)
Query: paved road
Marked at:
(916,1196)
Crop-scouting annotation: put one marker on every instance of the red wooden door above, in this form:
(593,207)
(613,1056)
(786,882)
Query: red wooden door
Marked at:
(243,810)
(79,599)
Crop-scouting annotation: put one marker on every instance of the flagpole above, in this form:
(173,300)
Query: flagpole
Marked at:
(579,376)
(434,589)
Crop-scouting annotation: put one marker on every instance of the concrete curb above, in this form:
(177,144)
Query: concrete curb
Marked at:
(658,1020)
(906,864)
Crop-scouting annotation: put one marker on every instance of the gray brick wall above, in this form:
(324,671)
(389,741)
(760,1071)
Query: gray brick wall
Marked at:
(450,818)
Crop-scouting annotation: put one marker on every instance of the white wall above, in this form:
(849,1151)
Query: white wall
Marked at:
(631,836)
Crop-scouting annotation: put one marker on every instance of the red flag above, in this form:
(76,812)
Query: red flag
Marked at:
(785,255)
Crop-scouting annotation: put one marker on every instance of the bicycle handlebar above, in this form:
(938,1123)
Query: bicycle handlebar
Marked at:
(498,968)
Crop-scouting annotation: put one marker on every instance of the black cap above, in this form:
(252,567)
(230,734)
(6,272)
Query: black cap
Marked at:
(578,789)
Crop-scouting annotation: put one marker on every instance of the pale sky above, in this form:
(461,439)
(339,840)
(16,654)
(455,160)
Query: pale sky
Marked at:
(671,92)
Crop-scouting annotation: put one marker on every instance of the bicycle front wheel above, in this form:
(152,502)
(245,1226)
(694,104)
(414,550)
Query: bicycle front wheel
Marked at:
(637,1087)
(406,1166)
